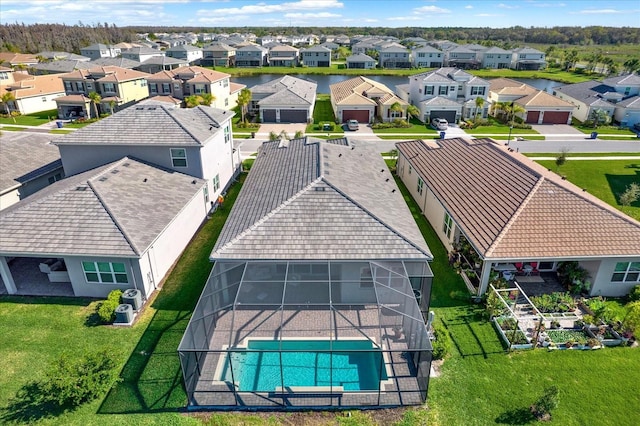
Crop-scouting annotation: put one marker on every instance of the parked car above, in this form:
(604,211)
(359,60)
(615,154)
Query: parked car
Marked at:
(636,127)
(439,123)
(353,125)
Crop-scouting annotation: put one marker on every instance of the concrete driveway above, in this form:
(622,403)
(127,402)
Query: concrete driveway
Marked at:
(558,131)
(289,128)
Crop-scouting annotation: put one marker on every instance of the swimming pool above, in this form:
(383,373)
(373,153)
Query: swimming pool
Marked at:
(356,365)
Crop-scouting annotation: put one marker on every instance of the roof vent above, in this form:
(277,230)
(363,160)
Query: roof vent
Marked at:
(81,188)
(126,164)
(103,178)
(320,188)
(115,171)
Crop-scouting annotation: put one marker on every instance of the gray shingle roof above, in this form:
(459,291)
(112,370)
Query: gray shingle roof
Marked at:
(587,91)
(25,156)
(317,200)
(287,90)
(151,124)
(114,210)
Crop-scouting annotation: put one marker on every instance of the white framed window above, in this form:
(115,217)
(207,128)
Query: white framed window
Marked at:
(410,169)
(227,134)
(199,89)
(628,272)
(420,185)
(105,272)
(443,90)
(477,90)
(153,88)
(428,90)
(179,157)
(216,182)
(447,225)
(205,192)
(166,88)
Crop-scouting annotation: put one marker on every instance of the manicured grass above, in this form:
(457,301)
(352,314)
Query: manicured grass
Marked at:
(34,119)
(606,130)
(13,129)
(606,179)
(583,154)
(60,131)
(417,128)
(501,129)
(551,74)
(323,113)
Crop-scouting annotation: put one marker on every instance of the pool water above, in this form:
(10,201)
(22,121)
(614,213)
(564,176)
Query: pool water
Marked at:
(354,364)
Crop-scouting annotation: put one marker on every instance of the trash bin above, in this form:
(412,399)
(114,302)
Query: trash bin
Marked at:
(124,314)
(132,297)
(59,124)
(442,135)
(594,135)
(253,135)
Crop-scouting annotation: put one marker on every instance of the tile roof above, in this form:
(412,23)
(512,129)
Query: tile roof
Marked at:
(308,199)
(24,157)
(62,65)
(360,57)
(511,208)
(540,98)
(632,102)
(152,124)
(115,62)
(35,85)
(359,90)
(287,90)
(114,210)
(628,80)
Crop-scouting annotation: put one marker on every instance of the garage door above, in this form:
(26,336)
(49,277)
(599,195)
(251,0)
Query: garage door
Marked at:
(269,116)
(533,116)
(293,116)
(450,116)
(350,114)
(555,117)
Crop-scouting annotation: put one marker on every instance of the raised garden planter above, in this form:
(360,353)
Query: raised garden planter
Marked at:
(522,341)
(609,338)
(561,338)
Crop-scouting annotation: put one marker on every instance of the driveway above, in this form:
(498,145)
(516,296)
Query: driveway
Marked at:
(558,131)
(363,130)
(289,128)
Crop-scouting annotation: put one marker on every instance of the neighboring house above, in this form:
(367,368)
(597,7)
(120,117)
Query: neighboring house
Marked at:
(115,62)
(11,59)
(319,250)
(588,97)
(462,57)
(31,93)
(186,81)
(251,56)
(362,48)
(394,57)
(59,66)
(141,54)
(117,87)
(516,211)
(539,106)
(218,55)
(99,50)
(496,58)
(316,56)
(447,93)
(189,53)
(365,100)
(527,58)
(57,56)
(427,57)
(361,61)
(283,56)
(161,63)
(627,111)
(284,100)
(28,163)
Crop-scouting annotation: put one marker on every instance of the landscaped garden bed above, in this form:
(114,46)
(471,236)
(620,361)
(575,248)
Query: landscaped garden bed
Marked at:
(510,334)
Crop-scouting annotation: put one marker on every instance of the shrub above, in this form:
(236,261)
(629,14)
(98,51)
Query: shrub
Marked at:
(75,379)
(631,322)
(634,295)
(107,309)
(549,400)
(442,342)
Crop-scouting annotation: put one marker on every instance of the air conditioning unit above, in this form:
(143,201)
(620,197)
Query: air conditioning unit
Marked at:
(132,297)
(124,314)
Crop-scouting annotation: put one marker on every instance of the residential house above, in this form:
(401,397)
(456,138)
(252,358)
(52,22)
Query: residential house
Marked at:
(186,81)
(394,57)
(361,61)
(251,56)
(115,62)
(363,47)
(59,66)
(462,57)
(319,246)
(28,163)
(161,63)
(31,93)
(284,100)
(187,52)
(57,56)
(588,97)
(117,87)
(539,107)
(140,182)
(627,111)
(141,54)
(11,59)
(527,58)
(365,100)
(513,211)
(496,58)
(283,56)
(427,57)
(316,56)
(447,93)
(99,50)
(218,54)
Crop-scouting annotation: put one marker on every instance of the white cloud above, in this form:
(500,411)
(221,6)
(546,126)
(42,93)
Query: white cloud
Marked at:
(264,8)
(404,18)
(431,10)
(468,6)
(311,15)
(507,6)
(598,12)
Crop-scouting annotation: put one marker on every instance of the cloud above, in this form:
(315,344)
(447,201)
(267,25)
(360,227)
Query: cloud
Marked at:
(404,18)
(311,15)
(431,10)
(468,6)
(264,8)
(507,6)
(598,12)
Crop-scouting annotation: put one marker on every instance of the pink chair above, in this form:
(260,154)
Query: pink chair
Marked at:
(518,266)
(535,271)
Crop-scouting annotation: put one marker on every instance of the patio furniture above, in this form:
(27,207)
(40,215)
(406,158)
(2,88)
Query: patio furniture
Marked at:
(534,265)
(505,267)
(528,269)
(518,266)
(508,275)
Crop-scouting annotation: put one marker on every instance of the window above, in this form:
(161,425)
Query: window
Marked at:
(179,157)
(448,225)
(410,169)
(153,88)
(205,192)
(477,90)
(225,82)
(79,86)
(443,90)
(428,90)
(199,89)
(54,178)
(109,87)
(227,134)
(44,99)
(627,272)
(226,101)
(4,76)
(216,183)
(166,88)
(420,185)
(68,86)
(105,272)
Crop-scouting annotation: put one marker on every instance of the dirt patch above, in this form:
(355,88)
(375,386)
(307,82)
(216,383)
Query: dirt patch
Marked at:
(436,368)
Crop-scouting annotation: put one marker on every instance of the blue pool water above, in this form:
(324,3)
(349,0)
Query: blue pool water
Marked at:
(304,364)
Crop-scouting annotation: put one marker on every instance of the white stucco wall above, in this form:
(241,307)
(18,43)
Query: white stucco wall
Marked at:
(601,280)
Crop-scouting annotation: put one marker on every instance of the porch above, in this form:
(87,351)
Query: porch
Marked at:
(31,281)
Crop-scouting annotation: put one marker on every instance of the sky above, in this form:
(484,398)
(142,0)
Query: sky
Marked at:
(354,13)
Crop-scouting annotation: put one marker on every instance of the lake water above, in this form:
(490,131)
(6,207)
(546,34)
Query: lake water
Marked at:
(324,81)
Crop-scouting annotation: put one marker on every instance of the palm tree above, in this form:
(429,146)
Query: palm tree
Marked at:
(479,106)
(95,100)
(515,109)
(570,59)
(8,97)
(599,117)
(396,107)
(244,98)
(192,101)
(207,99)
(112,103)
(632,65)
(413,111)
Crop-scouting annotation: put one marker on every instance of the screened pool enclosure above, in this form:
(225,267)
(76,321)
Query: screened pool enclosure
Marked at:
(309,334)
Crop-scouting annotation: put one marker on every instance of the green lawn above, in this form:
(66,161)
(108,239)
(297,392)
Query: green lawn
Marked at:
(417,128)
(550,73)
(606,179)
(323,113)
(34,119)
(583,154)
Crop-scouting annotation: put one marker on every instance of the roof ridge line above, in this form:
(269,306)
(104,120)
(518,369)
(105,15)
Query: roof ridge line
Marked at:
(106,208)
(515,216)
(187,131)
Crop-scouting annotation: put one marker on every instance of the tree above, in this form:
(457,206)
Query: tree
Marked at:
(631,65)
(396,107)
(192,101)
(479,106)
(413,111)
(630,195)
(599,116)
(207,99)
(562,158)
(95,100)
(112,103)
(570,59)
(244,98)
(7,98)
